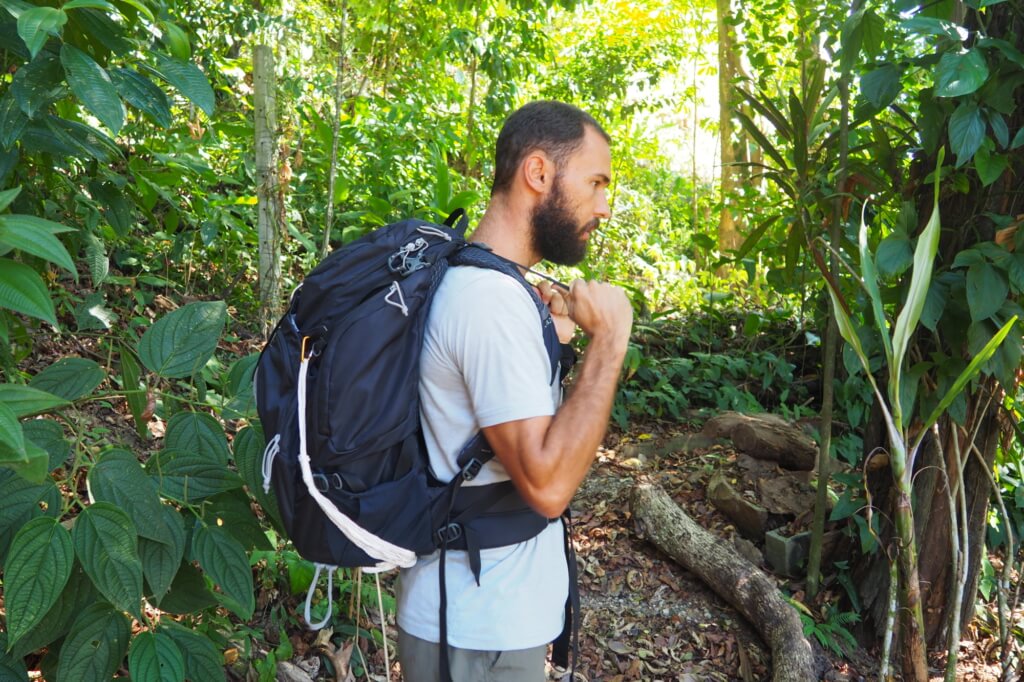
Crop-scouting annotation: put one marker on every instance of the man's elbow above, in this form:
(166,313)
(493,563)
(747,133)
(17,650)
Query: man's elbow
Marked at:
(549,504)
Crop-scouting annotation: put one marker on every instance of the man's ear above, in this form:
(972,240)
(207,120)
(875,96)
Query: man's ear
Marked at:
(538,172)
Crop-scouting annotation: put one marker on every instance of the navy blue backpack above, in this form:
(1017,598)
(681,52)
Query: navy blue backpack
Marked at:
(337,395)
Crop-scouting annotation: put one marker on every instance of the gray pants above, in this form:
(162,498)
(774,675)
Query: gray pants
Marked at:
(420,663)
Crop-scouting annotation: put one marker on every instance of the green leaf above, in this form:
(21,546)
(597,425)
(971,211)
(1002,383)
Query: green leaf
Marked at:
(143,94)
(971,371)
(96,257)
(91,84)
(12,438)
(90,4)
(48,435)
(966,131)
(7,196)
(247,447)
(187,78)
(161,560)
(154,657)
(70,378)
(924,261)
(190,478)
(232,512)
(943,28)
(76,595)
(881,86)
(105,543)
(188,593)
(12,669)
(176,40)
(12,121)
(24,501)
(23,291)
(39,23)
(136,392)
(118,478)
(27,401)
(180,343)
(894,255)
(142,9)
(96,645)
(986,291)
(989,164)
(24,235)
(37,568)
(223,559)
(1018,139)
(199,434)
(38,84)
(960,74)
(202,659)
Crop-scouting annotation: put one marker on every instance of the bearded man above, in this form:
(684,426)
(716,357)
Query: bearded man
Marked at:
(485,368)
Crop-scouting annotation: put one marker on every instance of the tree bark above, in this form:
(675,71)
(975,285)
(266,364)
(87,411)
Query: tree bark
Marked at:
(265,105)
(732,577)
(765,436)
(729,233)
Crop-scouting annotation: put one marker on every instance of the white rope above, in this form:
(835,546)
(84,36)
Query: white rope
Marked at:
(269,453)
(330,596)
(389,555)
(433,231)
(383,628)
(396,290)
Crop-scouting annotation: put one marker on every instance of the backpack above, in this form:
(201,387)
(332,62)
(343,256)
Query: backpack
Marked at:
(337,395)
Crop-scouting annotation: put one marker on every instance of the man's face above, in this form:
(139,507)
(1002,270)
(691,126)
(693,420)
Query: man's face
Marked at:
(563,221)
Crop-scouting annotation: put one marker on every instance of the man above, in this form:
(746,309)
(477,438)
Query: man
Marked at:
(484,367)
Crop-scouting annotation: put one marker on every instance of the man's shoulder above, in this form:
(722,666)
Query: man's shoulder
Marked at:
(465,284)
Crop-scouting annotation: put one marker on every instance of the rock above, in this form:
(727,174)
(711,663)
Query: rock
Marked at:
(748,550)
(289,672)
(750,519)
(765,436)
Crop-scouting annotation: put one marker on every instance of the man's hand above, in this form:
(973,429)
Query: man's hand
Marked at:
(602,311)
(557,301)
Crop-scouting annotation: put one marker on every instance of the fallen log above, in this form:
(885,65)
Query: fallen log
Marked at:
(732,577)
(765,436)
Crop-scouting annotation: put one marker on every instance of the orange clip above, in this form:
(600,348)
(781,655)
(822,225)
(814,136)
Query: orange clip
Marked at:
(302,351)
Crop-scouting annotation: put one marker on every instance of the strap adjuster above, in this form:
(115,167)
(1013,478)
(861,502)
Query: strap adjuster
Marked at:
(321,482)
(471,469)
(449,533)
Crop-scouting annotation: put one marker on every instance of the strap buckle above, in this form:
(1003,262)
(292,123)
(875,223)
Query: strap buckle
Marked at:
(450,533)
(321,482)
(472,468)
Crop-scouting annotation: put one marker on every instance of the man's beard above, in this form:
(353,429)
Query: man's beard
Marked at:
(557,237)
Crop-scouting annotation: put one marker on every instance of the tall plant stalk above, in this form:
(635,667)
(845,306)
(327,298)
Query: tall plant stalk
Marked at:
(339,74)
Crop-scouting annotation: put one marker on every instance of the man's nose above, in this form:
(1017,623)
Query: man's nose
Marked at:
(603,210)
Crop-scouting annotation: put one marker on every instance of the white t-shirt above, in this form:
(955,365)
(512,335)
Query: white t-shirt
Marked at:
(484,363)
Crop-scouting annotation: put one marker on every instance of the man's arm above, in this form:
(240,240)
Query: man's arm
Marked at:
(548,457)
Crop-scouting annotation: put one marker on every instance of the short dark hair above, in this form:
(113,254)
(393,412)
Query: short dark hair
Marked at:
(555,128)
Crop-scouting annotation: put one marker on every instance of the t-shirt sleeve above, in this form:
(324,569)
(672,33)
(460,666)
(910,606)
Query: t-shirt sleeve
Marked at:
(498,345)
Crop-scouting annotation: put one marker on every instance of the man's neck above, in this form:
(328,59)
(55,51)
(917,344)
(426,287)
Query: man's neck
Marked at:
(506,230)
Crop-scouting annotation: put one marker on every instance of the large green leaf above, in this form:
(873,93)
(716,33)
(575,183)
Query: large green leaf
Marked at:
(247,448)
(197,433)
(22,232)
(91,84)
(70,378)
(96,645)
(7,196)
(12,438)
(881,86)
(23,500)
(106,544)
(90,4)
(986,290)
(155,657)
(136,392)
(12,669)
(202,659)
(187,78)
(188,593)
(960,74)
(966,131)
(48,435)
(12,120)
(990,165)
(23,291)
(38,84)
(37,568)
(161,560)
(143,94)
(27,401)
(76,595)
(895,255)
(190,478)
(36,25)
(118,478)
(223,559)
(232,512)
(180,343)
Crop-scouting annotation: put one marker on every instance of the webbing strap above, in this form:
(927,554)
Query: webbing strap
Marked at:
(568,642)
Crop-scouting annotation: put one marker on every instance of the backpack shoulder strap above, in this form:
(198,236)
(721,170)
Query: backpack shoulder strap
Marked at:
(481,256)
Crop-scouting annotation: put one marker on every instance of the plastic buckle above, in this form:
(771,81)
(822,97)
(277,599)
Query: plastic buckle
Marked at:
(338,481)
(471,469)
(449,533)
(321,483)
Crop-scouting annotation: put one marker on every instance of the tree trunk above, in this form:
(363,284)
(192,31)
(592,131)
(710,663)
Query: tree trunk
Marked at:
(729,231)
(332,176)
(265,105)
(732,577)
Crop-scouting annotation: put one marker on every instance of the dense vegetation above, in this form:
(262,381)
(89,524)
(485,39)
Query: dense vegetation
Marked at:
(864,184)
